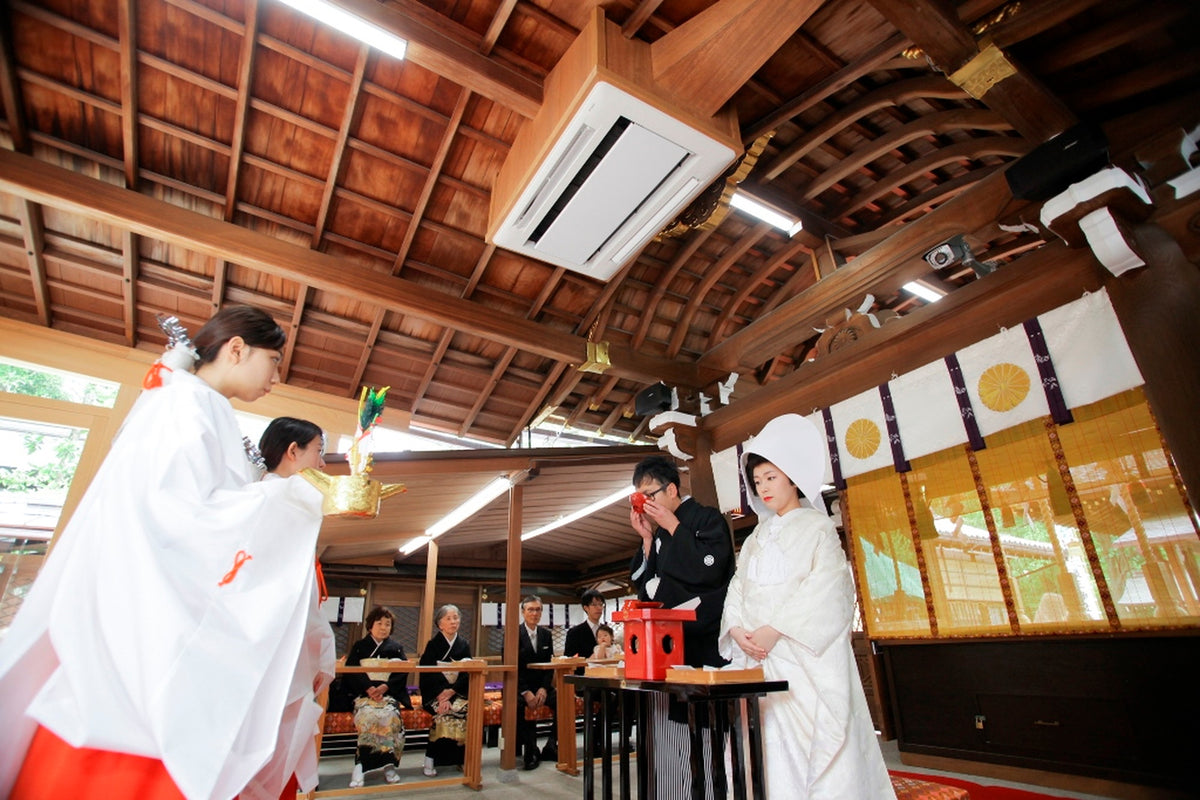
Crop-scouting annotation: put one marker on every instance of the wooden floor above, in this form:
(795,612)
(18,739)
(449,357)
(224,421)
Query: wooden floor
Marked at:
(546,783)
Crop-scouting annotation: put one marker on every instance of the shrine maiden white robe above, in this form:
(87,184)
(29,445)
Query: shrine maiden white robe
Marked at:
(819,742)
(295,752)
(170,616)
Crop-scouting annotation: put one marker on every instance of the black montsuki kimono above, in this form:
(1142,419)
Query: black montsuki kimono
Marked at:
(445,750)
(697,561)
(357,684)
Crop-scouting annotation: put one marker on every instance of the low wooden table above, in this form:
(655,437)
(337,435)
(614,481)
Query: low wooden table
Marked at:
(723,701)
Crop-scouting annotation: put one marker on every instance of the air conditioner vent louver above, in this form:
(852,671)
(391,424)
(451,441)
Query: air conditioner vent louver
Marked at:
(615,175)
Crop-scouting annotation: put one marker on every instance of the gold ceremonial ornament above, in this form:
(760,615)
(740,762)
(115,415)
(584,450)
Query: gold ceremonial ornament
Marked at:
(350,495)
(356,494)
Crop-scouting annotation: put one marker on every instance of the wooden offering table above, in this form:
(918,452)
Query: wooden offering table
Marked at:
(721,698)
(564,713)
(472,774)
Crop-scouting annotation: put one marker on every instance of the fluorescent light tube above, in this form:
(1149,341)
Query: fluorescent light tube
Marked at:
(340,19)
(762,211)
(473,504)
(923,291)
(580,514)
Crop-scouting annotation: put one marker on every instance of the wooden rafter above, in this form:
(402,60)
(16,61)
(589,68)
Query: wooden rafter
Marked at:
(839,80)
(30,216)
(699,293)
(25,177)
(934,26)
(760,275)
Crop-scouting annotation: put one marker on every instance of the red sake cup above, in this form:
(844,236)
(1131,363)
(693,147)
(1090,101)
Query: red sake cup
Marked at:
(638,501)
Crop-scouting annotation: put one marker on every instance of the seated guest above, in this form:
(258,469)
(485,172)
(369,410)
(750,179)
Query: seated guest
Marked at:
(377,701)
(444,694)
(535,686)
(581,641)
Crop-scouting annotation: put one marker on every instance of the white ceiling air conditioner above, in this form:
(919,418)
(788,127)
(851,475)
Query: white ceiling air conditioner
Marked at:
(621,170)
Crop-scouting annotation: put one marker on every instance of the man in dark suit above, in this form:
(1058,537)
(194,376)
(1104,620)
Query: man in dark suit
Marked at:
(581,641)
(581,638)
(535,686)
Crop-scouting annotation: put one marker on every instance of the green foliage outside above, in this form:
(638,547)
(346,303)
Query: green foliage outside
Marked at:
(56,473)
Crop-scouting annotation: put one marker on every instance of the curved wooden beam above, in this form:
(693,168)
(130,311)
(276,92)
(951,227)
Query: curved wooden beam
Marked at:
(888,96)
(711,276)
(757,279)
(691,245)
(970,150)
(929,125)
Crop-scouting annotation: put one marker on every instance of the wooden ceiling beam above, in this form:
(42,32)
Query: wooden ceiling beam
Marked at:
(769,266)
(870,61)
(713,274)
(130,259)
(965,151)
(245,71)
(410,232)
(692,244)
(893,94)
(26,177)
(1031,285)
(929,125)
(440,45)
(705,61)
(882,268)
(10,91)
(934,26)
(30,217)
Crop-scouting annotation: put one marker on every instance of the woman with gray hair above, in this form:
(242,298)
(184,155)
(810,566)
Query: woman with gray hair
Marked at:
(444,694)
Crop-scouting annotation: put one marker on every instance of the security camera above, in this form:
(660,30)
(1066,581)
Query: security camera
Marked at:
(949,253)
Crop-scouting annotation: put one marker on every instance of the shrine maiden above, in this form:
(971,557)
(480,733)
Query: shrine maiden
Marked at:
(154,653)
(789,608)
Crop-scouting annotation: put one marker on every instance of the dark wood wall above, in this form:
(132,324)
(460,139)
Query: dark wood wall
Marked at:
(1117,708)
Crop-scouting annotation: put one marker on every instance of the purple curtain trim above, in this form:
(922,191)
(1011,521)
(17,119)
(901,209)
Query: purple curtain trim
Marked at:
(839,482)
(1041,354)
(889,417)
(964,403)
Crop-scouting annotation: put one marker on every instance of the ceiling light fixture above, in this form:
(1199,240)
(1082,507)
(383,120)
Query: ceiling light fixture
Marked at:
(760,210)
(587,511)
(472,505)
(351,24)
(924,291)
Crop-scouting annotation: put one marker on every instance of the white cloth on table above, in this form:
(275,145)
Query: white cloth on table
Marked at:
(132,640)
(818,739)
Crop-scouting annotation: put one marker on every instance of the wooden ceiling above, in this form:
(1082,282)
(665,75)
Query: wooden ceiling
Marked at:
(175,155)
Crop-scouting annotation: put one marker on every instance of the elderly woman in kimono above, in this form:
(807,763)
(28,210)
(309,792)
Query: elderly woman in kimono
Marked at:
(444,694)
(154,655)
(789,609)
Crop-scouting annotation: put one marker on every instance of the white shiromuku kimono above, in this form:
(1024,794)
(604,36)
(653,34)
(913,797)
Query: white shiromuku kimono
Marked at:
(169,619)
(819,742)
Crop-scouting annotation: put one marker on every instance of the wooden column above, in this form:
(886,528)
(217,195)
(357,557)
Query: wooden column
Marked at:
(1157,306)
(512,600)
(425,622)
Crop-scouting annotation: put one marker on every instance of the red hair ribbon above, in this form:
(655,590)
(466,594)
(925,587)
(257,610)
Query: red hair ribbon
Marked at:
(241,558)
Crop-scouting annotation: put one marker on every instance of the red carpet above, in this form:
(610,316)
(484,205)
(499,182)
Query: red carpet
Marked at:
(978,791)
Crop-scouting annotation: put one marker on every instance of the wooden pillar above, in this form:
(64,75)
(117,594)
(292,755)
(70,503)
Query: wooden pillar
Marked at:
(425,622)
(1157,306)
(512,600)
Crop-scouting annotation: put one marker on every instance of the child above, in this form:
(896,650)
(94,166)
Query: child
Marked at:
(604,644)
